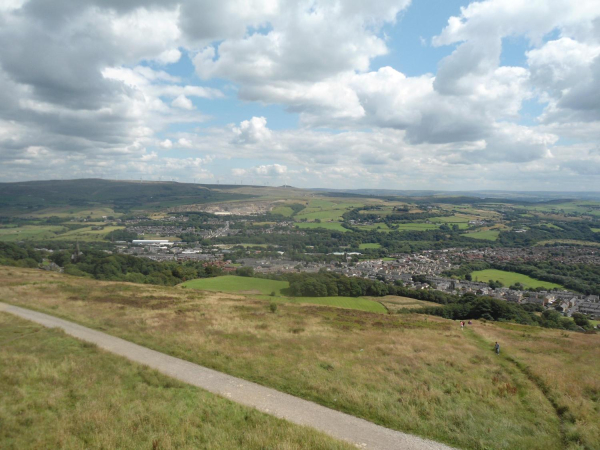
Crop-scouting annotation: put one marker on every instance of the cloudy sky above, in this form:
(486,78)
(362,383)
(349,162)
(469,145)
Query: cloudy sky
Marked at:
(421,94)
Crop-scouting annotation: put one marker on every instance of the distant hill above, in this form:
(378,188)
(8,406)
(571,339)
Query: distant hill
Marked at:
(118,194)
(528,196)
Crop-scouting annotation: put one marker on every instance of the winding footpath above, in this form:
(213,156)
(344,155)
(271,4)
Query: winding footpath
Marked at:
(342,426)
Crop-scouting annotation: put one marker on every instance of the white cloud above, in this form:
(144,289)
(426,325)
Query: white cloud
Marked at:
(182,102)
(185,143)
(166,144)
(252,131)
(268,170)
(86,85)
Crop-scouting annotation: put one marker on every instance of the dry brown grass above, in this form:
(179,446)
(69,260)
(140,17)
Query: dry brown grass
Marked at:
(409,372)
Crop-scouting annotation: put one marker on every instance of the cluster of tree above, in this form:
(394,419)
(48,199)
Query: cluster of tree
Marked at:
(539,232)
(14,255)
(470,306)
(397,216)
(324,284)
(99,265)
(121,235)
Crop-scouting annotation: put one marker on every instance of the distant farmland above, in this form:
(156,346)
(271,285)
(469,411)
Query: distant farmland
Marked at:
(489,235)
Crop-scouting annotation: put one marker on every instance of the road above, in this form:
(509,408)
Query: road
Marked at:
(334,423)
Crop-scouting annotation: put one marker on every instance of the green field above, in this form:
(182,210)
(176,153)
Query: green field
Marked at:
(262,288)
(326,210)
(87,234)
(489,235)
(29,233)
(369,245)
(417,226)
(285,211)
(596,230)
(335,226)
(510,278)
(452,219)
(59,392)
(382,227)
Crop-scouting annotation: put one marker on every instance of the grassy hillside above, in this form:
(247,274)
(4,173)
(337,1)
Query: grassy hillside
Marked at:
(409,372)
(510,278)
(59,392)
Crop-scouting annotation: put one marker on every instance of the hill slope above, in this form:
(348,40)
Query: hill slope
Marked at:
(413,373)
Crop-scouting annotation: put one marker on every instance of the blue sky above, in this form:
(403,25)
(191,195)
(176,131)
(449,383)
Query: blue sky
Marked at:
(423,94)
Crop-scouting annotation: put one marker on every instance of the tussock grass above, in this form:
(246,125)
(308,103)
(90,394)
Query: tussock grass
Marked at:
(59,392)
(414,373)
(565,366)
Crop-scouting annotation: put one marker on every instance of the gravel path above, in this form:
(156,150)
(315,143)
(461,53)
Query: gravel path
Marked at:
(339,425)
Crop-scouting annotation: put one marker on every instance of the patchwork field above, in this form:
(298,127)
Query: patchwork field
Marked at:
(414,373)
(510,278)
(59,392)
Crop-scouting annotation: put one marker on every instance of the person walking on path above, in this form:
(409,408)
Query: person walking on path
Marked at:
(497,348)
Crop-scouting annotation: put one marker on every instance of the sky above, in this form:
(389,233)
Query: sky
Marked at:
(389,94)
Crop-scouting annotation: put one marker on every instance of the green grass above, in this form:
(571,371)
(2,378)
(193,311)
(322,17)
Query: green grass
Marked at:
(326,209)
(335,226)
(381,227)
(369,245)
(417,226)
(452,219)
(87,234)
(261,288)
(489,235)
(285,211)
(29,233)
(596,230)
(510,278)
(59,392)
(232,283)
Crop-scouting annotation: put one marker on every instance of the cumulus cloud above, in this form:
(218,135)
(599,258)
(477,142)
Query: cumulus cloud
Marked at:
(269,170)
(252,131)
(87,85)
(182,102)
